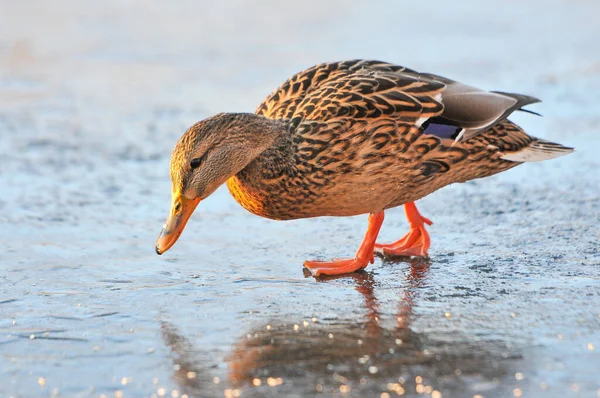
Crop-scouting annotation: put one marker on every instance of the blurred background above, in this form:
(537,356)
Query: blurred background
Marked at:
(94,95)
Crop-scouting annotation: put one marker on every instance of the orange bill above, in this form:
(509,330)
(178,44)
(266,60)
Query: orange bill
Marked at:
(181,210)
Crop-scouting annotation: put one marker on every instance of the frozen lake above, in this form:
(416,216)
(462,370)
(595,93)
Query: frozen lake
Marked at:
(93,97)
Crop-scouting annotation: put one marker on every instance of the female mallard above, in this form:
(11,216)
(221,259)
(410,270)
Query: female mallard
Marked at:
(348,138)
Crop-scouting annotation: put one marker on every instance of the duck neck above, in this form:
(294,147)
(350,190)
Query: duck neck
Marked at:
(268,168)
(269,142)
(261,133)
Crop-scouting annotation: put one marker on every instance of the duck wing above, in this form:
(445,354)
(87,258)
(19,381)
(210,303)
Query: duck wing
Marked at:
(472,110)
(366,89)
(356,89)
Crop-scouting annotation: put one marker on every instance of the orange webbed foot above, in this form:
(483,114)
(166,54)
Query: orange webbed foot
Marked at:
(337,267)
(364,255)
(415,243)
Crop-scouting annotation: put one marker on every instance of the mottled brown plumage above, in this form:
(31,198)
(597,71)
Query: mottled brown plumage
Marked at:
(354,137)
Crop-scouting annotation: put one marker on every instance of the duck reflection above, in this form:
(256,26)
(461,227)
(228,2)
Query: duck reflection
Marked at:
(371,356)
(190,371)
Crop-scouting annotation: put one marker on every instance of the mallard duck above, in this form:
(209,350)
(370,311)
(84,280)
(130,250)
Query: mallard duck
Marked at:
(349,138)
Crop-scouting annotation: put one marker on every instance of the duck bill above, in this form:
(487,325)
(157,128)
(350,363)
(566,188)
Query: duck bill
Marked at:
(181,210)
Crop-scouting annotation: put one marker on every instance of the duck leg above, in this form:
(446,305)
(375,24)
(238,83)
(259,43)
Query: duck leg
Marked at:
(416,242)
(363,257)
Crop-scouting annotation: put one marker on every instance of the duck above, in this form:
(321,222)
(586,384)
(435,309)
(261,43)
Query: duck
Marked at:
(350,138)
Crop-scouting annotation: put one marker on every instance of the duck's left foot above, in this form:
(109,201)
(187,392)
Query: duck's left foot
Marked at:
(415,243)
(337,267)
(364,255)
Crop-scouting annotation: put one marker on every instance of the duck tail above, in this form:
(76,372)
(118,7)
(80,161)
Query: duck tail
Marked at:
(538,150)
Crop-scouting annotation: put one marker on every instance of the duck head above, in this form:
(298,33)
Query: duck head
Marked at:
(207,155)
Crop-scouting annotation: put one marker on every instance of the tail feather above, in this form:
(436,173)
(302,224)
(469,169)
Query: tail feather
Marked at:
(529,111)
(522,99)
(538,150)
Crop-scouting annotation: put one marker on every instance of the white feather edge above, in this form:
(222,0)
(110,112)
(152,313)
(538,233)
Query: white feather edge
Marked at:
(420,121)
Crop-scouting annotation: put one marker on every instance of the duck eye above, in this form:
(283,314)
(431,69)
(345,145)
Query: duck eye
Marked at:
(177,207)
(195,163)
